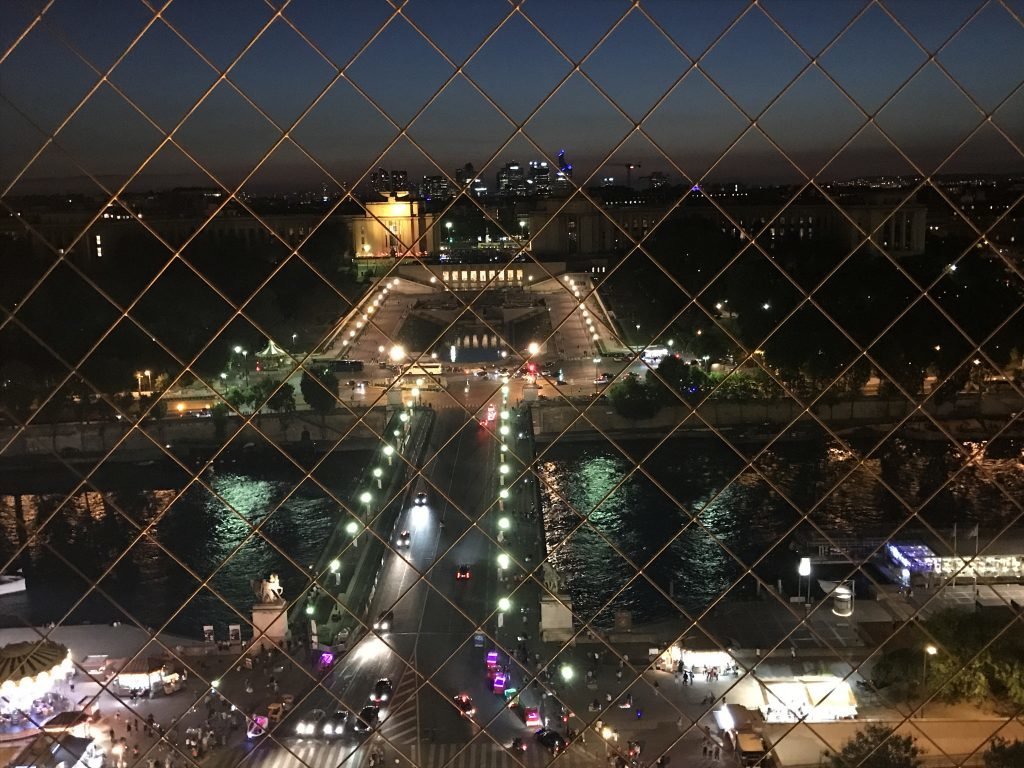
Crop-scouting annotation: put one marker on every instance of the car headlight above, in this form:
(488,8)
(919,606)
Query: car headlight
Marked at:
(383,697)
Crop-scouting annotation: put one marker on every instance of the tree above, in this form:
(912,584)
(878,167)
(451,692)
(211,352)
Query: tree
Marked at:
(282,403)
(687,381)
(1005,754)
(320,392)
(634,399)
(877,747)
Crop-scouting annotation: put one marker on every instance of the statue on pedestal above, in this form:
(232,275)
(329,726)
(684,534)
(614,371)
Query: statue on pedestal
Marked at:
(552,580)
(268,591)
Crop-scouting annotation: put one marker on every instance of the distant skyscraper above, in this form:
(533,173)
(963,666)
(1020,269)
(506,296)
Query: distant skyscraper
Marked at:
(465,176)
(380,182)
(539,179)
(435,188)
(512,180)
(563,178)
(399,182)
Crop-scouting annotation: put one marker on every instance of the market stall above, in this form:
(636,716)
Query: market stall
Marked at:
(147,675)
(811,699)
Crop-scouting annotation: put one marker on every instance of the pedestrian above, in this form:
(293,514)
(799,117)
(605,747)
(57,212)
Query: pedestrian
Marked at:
(135,750)
(704,749)
(128,726)
(110,733)
(792,652)
(618,674)
(718,751)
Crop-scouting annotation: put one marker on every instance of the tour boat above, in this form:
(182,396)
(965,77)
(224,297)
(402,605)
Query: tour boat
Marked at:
(11,582)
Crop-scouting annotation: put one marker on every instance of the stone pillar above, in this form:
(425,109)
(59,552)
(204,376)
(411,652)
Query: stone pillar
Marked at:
(269,624)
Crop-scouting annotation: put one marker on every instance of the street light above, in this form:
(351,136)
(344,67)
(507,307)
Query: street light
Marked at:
(352,529)
(138,379)
(448,226)
(566,672)
(503,561)
(504,524)
(533,348)
(502,471)
(149,379)
(804,571)
(388,453)
(397,353)
(366,498)
(929,650)
(502,497)
(378,473)
(504,604)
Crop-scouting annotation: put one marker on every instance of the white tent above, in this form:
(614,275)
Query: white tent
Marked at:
(812,699)
(271,350)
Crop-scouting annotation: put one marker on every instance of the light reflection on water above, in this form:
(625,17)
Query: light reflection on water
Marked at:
(229,543)
(716,517)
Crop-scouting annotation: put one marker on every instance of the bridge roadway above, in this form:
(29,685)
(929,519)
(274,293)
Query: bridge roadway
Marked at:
(429,655)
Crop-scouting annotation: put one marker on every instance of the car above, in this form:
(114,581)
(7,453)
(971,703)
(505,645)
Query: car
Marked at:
(310,723)
(335,724)
(403,539)
(532,717)
(604,378)
(384,621)
(382,691)
(367,720)
(421,499)
(464,703)
(492,412)
(550,739)
(462,573)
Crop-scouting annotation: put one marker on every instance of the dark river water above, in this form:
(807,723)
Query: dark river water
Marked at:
(694,519)
(162,551)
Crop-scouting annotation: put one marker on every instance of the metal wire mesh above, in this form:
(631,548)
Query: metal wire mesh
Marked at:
(331,70)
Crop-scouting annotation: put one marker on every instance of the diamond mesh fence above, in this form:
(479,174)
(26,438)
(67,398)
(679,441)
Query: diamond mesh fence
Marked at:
(362,472)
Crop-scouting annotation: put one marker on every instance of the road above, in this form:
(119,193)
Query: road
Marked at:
(429,655)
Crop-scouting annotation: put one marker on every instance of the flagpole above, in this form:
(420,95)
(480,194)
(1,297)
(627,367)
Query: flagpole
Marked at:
(975,563)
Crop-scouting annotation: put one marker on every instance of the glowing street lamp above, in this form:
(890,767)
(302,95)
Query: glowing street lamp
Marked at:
(388,453)
(504,604)
(352,529)
(566,672)
(929,650)
(309,609)
(397,353)
(804,571)
(378,473)
(533,348)
(503,429)
(503,470)
(504,561)
(502,497)
(504,524)
(366,498)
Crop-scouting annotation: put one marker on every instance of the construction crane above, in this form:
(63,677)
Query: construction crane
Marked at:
(629,172)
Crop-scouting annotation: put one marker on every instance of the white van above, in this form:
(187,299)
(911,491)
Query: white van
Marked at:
(751,749)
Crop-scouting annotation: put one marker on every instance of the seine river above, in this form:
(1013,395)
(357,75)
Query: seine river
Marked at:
(173,537)
(695,519)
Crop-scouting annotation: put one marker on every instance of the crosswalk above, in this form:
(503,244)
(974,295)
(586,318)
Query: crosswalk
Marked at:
(480,754)
(477,754)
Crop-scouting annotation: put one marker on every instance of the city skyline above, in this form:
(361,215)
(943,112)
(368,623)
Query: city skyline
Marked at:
(688,113)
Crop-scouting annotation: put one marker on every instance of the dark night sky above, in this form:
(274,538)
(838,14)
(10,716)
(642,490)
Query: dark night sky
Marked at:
(49,72)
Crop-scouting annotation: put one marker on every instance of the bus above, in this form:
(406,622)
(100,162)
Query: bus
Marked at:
(339,366)
(655,354)
(423,376)
(423,369)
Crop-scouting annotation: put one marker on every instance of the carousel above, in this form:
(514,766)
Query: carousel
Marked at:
(32,678)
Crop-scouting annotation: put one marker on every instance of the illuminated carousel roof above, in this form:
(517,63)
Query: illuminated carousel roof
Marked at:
(28,659)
